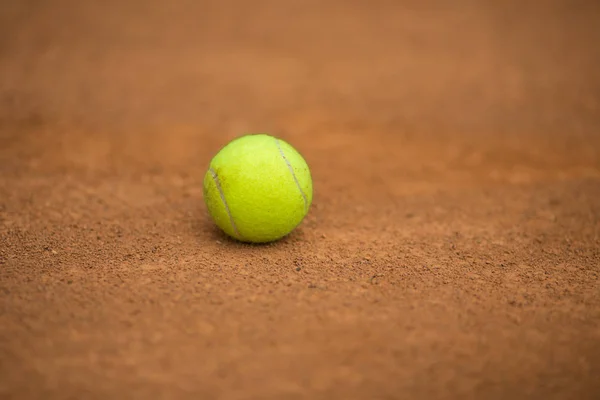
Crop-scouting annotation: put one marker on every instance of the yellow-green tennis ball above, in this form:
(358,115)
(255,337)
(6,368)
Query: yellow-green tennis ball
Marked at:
(258,188)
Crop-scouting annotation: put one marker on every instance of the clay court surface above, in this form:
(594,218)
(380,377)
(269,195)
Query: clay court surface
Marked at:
(452,250)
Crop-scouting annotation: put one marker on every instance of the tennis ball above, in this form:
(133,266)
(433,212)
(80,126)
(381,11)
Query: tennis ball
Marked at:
(258,188)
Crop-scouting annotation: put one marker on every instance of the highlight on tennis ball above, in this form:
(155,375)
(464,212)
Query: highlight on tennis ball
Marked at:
(258,188)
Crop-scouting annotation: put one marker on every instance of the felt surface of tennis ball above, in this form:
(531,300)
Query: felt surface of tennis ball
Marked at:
(258,188)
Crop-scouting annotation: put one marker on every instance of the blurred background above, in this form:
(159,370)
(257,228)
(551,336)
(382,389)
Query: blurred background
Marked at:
(472,65)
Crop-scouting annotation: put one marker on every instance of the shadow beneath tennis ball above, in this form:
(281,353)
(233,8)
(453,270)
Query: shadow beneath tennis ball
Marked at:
(206,230)
(218,236)
(293,238)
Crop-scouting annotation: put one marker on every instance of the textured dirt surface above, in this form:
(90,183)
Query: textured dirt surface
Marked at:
(452,251)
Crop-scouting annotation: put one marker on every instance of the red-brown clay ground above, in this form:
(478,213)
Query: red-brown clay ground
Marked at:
(452,251)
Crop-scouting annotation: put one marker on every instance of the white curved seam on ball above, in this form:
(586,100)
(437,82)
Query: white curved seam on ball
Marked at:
(293,173)
(220,189)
